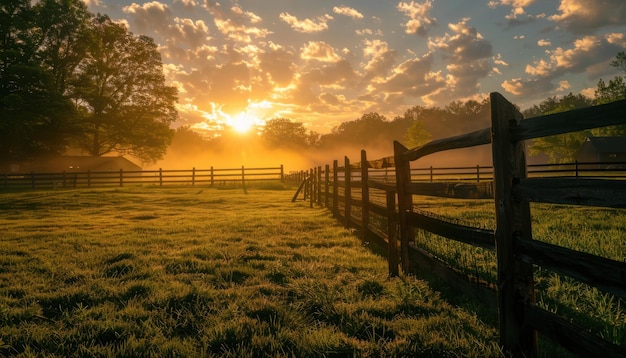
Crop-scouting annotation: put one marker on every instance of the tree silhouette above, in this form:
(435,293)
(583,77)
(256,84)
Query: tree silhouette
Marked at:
(120,88)
(282,132)
(71,79)
(34,115)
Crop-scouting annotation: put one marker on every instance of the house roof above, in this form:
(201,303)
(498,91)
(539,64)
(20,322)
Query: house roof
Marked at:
(608,144)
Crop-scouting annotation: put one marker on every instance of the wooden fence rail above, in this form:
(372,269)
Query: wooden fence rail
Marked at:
(160,177)
(360,194)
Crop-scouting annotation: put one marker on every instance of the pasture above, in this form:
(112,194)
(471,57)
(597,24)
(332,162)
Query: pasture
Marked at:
(190,271)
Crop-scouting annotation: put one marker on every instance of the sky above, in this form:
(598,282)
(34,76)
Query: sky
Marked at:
(320,62)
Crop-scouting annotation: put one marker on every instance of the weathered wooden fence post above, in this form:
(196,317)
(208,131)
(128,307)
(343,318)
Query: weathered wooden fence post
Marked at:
(282,173)
(243,180)
(405,202)
(160,177)
(326,184)
(319,185)
(515,278)
(365,197)
(193,176)
(312,187)
(212,179)
(335,188)
(347,192)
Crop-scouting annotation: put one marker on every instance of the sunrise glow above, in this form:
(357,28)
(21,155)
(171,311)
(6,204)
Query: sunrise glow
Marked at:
(243,122)
(327,62)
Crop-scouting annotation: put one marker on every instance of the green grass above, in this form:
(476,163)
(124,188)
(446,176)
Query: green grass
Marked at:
(597,231)
(188,272)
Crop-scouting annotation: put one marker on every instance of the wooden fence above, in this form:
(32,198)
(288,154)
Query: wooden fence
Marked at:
(160,177)
(355,192)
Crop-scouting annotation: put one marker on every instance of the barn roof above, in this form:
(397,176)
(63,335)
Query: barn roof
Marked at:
(608,144)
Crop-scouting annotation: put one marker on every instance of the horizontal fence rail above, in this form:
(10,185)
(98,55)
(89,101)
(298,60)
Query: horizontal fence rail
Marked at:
(159,177)
(381,199)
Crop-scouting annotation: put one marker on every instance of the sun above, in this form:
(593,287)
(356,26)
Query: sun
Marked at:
(242,123)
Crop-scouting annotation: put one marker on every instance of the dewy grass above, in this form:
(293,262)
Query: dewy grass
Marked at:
(190,272)
(597,231)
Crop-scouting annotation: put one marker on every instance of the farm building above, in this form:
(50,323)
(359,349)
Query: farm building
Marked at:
(60,164)
(603,150)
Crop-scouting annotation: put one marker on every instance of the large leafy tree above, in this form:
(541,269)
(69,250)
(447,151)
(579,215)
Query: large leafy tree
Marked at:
(34,114)
(120,89)
(68,78)
(282,132)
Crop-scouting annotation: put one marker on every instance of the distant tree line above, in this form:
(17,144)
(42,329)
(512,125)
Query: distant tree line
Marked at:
(72,80)
(417,126)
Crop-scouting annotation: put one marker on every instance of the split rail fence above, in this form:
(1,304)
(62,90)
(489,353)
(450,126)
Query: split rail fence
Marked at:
(366,197)
(160,177)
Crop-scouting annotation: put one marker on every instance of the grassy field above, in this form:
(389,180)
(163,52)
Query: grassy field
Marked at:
(187,272)
(598,231)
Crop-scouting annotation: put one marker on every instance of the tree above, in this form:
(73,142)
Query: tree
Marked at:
(417,135)
(125,106)
(282,132)
(62,38)
(33,115)
(616,89)
(560,148)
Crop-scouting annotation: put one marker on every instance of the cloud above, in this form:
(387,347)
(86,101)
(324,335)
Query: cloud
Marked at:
(585,16)
(544,42)
(499,61)
(178,35)
(586,51)
(563,86)
(584,56)
(347,11)
(518,15)
(469,59)
(279,64)
(380,59)
(186,3)
(237,24)
(320,51)
(419,17)
(151,16)
(527,87)
(464,45)
(307,25)
(411,79)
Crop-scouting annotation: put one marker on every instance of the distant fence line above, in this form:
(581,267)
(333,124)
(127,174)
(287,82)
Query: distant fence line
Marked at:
(478,173)
(386,212)
(160,177)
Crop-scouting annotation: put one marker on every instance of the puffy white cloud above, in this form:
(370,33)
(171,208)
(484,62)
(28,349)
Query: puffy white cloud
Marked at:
(465,44)
(320,51)
(544,43)
(420,20)
(564,85)
(590,54)
(527,87)
(583,16)
(347,11)
(307,25)
(237,24)
(518,15)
